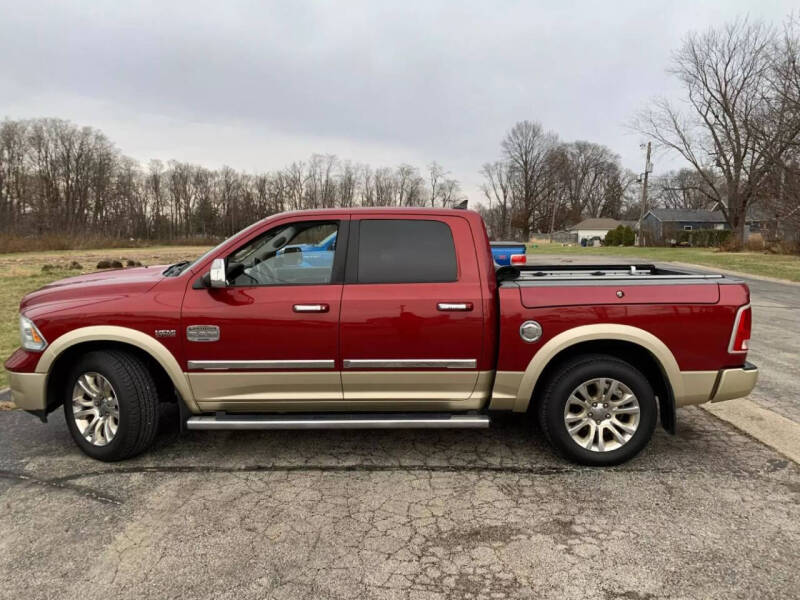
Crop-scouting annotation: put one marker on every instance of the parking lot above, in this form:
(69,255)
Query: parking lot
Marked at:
(708,513)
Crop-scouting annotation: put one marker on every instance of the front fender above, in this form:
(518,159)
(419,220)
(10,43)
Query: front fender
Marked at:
(124,335)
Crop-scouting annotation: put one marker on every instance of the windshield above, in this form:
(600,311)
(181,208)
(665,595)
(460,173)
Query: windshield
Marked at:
(193,265)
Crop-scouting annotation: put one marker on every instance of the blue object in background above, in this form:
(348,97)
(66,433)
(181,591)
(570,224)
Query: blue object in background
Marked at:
(502,251)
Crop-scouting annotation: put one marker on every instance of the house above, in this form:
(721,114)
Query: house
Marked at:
(589,229)
(661,225)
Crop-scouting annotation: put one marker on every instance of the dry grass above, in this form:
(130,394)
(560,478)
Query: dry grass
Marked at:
(21,273)
(34,243)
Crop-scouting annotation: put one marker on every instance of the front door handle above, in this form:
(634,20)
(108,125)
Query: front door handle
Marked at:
(311,308)
(454,306)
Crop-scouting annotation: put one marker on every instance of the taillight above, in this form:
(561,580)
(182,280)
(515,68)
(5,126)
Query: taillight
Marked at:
(518,259)
(740,338)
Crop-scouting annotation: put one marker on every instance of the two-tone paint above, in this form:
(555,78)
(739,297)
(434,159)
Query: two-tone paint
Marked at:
(346,346)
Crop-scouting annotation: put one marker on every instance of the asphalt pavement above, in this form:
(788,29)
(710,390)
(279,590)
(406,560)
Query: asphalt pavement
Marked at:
(708,513)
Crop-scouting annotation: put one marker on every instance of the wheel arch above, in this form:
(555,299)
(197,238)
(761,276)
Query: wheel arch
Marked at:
(59,355)
(640,348)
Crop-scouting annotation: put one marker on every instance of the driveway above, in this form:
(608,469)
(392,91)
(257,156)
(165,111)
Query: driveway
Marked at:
(709,513)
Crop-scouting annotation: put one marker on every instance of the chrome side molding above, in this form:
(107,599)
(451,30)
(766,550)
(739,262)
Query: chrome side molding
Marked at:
(259,365)
(343,421)
(413,363)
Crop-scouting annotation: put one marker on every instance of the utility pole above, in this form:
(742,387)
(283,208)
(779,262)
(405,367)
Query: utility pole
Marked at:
(647,168)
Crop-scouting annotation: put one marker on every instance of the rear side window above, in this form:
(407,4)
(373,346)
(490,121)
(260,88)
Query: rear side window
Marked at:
(406,251)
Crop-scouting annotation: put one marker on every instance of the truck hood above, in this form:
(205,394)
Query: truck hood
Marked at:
(91,288)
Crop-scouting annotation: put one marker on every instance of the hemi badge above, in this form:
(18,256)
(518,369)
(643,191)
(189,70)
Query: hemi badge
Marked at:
(202,333)
(162,333)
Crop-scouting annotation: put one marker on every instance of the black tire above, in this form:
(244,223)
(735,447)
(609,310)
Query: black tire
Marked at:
(137,398)
(574,372)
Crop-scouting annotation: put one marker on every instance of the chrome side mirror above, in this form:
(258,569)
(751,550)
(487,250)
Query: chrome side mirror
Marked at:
(217,277)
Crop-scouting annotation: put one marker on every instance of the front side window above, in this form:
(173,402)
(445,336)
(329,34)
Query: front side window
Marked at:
(406,251)
(293,254)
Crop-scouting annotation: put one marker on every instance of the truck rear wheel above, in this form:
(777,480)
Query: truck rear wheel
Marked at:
(598,410)
(111,405)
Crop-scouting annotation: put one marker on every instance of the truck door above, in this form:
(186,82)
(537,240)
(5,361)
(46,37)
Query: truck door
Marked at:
(270,340)
(412,316)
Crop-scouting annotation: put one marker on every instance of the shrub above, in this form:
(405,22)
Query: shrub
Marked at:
(628,236)
(755,242)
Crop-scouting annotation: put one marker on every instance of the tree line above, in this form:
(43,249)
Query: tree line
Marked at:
(738,132)
(56,177)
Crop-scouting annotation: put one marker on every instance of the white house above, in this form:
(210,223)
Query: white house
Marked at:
(596,228)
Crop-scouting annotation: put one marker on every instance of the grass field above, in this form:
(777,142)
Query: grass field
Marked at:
(21,273)
(781,266)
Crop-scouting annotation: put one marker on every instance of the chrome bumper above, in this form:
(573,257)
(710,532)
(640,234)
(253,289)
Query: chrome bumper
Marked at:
(735,383)
(28,390)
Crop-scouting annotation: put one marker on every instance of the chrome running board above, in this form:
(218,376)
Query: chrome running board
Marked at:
(223,421)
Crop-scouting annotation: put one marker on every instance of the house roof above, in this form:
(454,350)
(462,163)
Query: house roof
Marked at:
(681,215)
(597,224)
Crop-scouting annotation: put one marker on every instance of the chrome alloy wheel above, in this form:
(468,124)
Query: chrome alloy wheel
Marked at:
(601,414)
(95,409)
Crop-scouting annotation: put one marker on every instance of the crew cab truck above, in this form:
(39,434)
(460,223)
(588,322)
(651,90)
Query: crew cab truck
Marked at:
(406,322)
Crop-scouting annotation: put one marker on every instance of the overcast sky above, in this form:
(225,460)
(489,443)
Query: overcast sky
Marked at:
(257,85)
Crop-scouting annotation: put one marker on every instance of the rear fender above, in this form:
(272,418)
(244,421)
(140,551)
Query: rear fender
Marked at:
(599,332)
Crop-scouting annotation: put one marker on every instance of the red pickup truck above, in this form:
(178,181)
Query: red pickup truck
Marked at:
(380,318)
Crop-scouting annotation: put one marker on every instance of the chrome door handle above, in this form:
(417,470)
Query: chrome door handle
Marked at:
(454,306)
(311,308)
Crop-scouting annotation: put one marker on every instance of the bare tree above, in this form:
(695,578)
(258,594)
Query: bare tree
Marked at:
(497,191)
(740,122)
(526,147)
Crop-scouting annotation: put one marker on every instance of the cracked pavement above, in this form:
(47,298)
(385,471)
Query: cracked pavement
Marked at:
(709,513)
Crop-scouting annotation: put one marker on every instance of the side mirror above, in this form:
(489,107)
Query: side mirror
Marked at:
(217,277)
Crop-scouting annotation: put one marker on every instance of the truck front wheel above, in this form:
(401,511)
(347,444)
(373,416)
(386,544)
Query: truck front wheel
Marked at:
(598,410)
(111,405)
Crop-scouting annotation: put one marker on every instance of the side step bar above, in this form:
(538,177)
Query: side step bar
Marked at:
(343,421)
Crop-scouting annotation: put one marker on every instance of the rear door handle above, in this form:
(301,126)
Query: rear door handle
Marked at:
(311,308)
(454,306)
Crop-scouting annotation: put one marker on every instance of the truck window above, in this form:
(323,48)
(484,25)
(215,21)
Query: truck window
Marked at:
(294,254)
(406,251)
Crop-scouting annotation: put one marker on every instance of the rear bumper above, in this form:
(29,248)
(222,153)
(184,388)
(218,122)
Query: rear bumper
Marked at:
(735,383)
(28,390)
(716,386)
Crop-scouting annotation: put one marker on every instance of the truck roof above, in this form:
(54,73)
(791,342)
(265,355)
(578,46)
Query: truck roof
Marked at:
(387,209)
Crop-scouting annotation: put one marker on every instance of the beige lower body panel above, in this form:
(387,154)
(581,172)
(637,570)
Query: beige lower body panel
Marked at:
(28,390)
(735,383)
(506,388)
(220,390)
(698,387)
(363,391)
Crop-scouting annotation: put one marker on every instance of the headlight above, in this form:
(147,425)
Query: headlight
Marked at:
(30,337)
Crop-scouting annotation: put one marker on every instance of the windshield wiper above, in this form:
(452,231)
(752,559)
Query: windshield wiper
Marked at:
(176,269)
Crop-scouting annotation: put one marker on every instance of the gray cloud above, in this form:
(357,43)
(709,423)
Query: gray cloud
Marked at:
(257,85)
